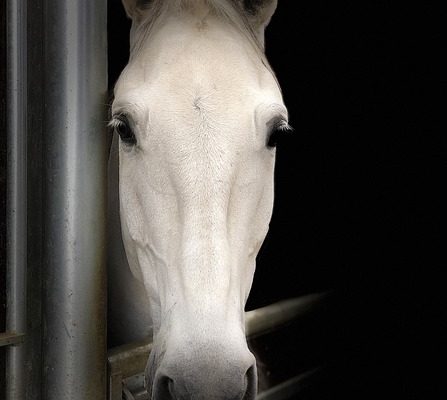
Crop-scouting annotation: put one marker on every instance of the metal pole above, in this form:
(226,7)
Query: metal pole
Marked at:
(75,159)
(16,193)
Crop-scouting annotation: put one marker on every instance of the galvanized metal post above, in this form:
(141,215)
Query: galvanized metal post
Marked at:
(16,193)
(74,347)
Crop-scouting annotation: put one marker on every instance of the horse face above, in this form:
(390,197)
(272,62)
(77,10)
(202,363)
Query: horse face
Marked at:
(196,110)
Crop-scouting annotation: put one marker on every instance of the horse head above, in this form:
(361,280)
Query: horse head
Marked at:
(198,111)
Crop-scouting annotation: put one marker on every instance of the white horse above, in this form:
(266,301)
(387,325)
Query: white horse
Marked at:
(198,111)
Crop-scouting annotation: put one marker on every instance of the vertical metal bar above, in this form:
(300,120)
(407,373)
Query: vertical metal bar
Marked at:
(35,207)
(75,158)
(16,193)
(115,388)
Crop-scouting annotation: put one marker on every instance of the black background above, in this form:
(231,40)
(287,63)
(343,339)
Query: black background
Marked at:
(356,206)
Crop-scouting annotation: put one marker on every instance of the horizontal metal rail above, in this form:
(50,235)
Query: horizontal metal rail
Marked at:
(287,389)
(124,362)
(11,338)
(265,319)
(130,359)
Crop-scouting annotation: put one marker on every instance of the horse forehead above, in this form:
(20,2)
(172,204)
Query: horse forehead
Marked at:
(212,75)
(195,93)
(188,94)
(178,55)
(210,80)
(179,59)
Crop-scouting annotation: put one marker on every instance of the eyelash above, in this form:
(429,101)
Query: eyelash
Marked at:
(121,126)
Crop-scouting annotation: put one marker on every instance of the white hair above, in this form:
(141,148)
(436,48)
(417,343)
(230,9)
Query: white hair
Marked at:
(231,11)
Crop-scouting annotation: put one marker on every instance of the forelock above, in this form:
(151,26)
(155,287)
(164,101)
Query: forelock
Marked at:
(231,11)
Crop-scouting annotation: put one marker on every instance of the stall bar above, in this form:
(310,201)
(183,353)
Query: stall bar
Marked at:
(69,70)
(75,160)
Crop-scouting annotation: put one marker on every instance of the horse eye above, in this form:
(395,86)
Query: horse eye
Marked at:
(125,131)
(276,132)
(273,137)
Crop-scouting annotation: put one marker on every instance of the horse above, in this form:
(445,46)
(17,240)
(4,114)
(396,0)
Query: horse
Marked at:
(196,115)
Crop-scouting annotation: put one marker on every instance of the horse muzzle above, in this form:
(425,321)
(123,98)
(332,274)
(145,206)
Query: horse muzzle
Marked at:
(206,371)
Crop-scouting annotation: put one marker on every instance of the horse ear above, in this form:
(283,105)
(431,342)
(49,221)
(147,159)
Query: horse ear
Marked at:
(259,13)
(134,8)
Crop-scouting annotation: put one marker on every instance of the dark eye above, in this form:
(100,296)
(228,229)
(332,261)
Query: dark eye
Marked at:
(123,129)
(276,132)
(273,137)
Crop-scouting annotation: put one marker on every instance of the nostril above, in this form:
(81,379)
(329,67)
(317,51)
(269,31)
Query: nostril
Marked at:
(164,388)
(251,383)
(171,387)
